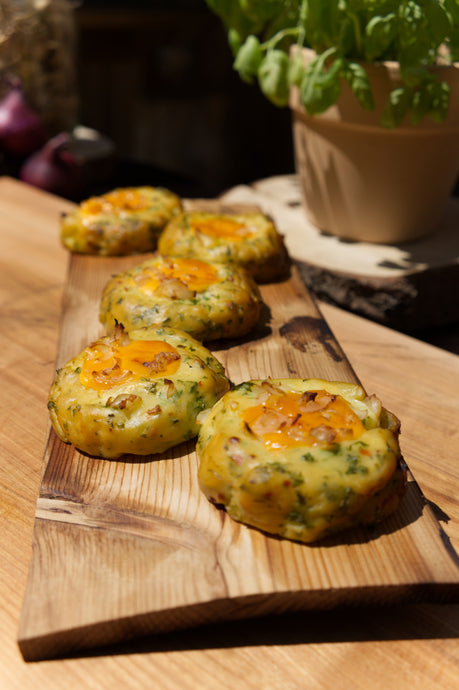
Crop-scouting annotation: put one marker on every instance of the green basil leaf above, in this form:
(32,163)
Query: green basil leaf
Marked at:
(261,11)
(296,69)
(431,100)
(397,107)
(359,82)
(420,105)
(380,33)
(452,8)
(437,20)
(321,86)
(220,7)
(439,103)
(248,59)
(323,23)
(235,41)
(348,42)
(414,76)
(273,77)
(414,35)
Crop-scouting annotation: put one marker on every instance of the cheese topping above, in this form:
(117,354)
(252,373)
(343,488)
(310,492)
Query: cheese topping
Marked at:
(313,418)
(106,366)
(115,203)
(224,228)
(195,275)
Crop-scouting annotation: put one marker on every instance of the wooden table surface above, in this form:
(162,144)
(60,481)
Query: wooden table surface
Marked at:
(408,646)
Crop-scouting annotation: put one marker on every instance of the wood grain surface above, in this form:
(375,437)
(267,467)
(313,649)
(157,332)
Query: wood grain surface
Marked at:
(142,550)
(394,645)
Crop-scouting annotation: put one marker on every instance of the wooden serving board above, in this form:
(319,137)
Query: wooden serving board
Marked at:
(131,548)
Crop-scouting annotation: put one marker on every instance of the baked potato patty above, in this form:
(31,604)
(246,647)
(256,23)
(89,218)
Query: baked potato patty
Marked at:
(137,392)
(207,300)
(250,240)
(121,222)
(301,458)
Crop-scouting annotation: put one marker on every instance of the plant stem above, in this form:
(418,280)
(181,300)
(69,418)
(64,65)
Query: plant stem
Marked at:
(302,22)
(357,33)
(271,42)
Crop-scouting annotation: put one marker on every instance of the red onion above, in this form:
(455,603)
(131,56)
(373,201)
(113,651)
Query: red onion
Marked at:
(55,169)
(21,130)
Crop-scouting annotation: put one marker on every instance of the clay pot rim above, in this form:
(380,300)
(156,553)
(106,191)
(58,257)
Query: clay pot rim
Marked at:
(384,76)
(392,66)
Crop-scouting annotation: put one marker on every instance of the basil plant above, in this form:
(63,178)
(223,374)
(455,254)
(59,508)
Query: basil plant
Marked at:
(345,34)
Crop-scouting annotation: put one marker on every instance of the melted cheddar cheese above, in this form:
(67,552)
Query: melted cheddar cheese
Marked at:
(117,202)
(195,275)
(106,366)
(223,227)
(313,418)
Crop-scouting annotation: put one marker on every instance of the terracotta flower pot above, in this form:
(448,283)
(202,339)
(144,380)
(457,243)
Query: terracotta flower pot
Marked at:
(361,181)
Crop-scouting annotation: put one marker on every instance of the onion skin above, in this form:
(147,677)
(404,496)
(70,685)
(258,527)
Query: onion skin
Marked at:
(21,130)
(54,169)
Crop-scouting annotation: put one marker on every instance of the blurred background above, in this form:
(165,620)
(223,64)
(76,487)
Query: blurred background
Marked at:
(154,80)
(156,77)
